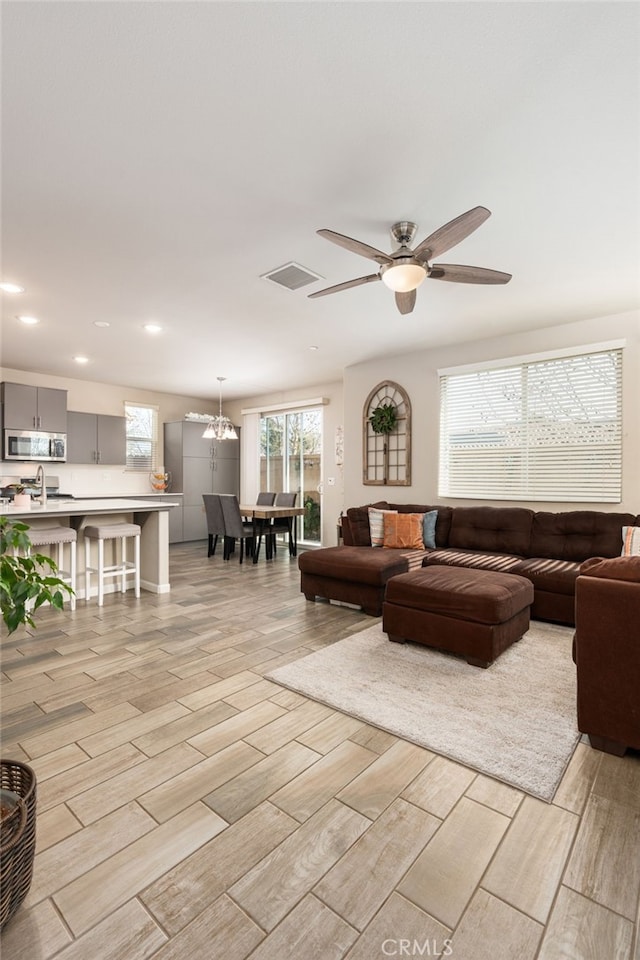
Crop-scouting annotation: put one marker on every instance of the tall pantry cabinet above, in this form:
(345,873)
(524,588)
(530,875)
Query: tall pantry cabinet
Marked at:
(197,466)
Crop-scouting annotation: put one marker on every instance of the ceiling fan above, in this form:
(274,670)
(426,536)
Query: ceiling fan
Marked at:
(405,269)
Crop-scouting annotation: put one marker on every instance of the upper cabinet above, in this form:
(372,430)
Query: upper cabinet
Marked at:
(34,408)
(96,438)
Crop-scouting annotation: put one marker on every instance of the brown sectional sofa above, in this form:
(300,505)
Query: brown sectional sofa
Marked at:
(546,548)
(605,649)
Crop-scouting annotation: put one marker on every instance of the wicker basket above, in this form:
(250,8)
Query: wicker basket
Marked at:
(17,838)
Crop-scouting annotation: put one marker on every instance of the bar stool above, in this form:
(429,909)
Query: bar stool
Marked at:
(111,531)
(58,536)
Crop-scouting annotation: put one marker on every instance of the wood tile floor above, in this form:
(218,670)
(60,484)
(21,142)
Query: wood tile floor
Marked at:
(187,807)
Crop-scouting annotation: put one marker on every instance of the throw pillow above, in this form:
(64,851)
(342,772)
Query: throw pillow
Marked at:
(630,541)
(376,527)
(403,530)
(429,529)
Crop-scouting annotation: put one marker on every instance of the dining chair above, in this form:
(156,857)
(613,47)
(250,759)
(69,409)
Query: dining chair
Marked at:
(265,499)
(235,528)
(215,520)
(283,524)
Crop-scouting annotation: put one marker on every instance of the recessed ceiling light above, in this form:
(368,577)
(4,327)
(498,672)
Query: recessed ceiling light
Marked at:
(153,327)
(81,359)
(11,287)
(313,347)
(101,323)
(30,321)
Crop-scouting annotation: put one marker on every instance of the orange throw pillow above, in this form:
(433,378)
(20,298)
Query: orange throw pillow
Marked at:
(403,530)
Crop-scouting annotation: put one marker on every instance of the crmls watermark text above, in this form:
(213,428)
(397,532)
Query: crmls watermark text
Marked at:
(417,948)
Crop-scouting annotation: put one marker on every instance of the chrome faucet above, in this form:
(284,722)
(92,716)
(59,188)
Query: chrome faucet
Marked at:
(43,484)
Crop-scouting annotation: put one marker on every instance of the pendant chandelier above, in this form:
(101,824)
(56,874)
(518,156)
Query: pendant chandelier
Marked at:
(219,427)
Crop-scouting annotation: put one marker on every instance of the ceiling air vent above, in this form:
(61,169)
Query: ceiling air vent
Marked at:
(292,276)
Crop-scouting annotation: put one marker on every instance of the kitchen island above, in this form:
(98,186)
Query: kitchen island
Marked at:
(152,515)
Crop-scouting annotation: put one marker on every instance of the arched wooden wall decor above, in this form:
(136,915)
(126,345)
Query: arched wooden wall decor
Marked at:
(387,455)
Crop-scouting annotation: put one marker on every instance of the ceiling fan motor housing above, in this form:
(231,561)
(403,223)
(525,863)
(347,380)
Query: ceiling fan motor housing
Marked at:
(403,232)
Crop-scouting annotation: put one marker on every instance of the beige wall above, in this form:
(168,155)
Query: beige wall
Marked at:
(91,397)
(417,373)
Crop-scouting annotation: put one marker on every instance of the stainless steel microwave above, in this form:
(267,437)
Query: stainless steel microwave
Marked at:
(34,445)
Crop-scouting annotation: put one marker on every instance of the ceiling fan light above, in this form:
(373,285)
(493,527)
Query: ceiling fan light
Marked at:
(404,277)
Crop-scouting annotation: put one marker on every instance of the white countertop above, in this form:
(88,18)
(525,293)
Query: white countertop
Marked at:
(130,496)
(69,508)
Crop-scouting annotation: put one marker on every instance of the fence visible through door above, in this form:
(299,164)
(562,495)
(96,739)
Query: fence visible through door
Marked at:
(290,461)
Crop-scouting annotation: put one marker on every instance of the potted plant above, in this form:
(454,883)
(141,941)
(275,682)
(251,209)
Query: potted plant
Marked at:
(384,418)
(20,498)
(23,587)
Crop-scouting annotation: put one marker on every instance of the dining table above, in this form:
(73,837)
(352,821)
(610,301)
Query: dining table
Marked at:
(260,515)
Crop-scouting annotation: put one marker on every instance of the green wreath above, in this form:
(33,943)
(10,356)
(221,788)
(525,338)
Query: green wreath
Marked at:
(384,418)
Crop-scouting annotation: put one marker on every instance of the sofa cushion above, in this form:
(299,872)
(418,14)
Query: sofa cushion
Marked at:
(577,534)
(612,568)
(551,576)
(500,562)
(403,531)
(359,564)
(492,529)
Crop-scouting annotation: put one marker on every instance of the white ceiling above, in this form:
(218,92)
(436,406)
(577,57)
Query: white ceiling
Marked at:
(158,157)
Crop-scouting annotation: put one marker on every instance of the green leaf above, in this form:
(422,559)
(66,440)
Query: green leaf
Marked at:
(384,418)
(22,580)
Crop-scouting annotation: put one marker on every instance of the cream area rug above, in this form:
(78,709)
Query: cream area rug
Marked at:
(515,721)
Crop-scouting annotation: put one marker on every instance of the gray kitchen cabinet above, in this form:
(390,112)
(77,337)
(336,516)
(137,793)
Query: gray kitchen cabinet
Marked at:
(96,438)
(197,466)
(112,439)
(34,408)
(175,524)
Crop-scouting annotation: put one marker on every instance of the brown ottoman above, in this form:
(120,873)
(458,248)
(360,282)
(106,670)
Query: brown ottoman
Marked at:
(355,575)
(474,613)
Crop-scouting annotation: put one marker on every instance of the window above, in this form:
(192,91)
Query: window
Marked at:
(387,456)
(540,429)
(142,436)
(290,460)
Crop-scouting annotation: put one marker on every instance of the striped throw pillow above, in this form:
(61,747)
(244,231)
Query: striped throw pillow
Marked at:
(631,542)
(376,525)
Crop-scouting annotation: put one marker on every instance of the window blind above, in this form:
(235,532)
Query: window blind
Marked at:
(545,430)
(142,436)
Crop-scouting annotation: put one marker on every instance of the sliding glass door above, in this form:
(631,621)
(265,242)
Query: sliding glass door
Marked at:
(290,461)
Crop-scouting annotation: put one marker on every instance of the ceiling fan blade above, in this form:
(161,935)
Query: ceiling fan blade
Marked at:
(460,274)
(405,302)
(345,286)
(451,233)
(356,246)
